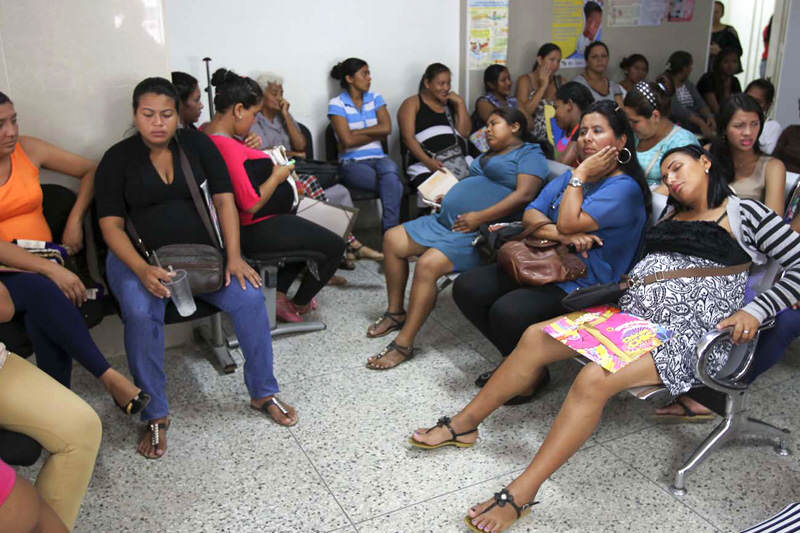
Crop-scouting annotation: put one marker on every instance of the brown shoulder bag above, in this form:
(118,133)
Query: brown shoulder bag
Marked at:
(532,261)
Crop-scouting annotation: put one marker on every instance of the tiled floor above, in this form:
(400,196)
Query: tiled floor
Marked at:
(347,467)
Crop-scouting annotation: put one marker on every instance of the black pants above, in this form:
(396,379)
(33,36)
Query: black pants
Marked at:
(287,233)
(500,308)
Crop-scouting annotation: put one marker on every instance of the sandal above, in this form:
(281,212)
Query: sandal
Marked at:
(365,252)
(500,500)
(136,404)
(274,401)
(394,326)
(408,352)
(687,416)
(347,263)
(155,437)
(444,422)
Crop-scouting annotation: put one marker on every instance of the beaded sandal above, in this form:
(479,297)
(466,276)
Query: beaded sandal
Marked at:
(136,404)
(408,352)
(155,438)
(394,326)
(500,500)
(444,422)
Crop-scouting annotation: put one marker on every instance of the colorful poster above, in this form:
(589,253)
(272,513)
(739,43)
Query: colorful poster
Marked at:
(488,33)
(637,12)
(681,10)
(576,23)
(607,336)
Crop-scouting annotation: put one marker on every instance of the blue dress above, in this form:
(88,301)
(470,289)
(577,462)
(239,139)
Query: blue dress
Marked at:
(487,184)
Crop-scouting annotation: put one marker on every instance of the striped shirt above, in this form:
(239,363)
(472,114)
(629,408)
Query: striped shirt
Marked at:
(786,521)
(358,119)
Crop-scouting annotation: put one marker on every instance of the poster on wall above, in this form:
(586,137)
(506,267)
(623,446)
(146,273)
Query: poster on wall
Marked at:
(637,12)
(681,10)
(576,24)
(488,33)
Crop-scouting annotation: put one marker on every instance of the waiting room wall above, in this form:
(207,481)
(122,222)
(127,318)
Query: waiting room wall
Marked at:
(301,40)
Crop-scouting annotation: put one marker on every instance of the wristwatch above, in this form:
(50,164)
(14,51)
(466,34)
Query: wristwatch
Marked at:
(575,182)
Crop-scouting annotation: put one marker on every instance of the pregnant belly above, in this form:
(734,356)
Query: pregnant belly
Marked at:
(472,194)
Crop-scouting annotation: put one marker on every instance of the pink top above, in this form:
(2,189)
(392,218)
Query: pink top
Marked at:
(235,154)
(7,479)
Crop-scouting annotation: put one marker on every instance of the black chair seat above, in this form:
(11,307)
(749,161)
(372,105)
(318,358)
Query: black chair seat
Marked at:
(204,310)
(292,256)
(14,336)
(362,194)
(17,449)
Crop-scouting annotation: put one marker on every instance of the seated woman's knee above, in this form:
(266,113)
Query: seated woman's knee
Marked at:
(394,239)
(532,336)
(590,384)
(430,267)
(87,428)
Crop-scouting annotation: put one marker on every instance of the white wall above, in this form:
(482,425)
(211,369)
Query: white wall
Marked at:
(786,105)
(302,39)
(749,18)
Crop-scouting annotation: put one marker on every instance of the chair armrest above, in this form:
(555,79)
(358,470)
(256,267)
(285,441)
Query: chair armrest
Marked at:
(733,383)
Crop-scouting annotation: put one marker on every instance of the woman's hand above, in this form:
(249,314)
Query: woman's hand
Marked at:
(543,73)
(467,222)
(285,107)
(238,267)
(714,49)
(72,239)
(582,242)
(252,141)
(744,326)
(70,284)
(281,173)
(152,278)
(454,97)
(598,165)
(434,164)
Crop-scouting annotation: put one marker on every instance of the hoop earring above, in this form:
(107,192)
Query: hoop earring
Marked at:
(628,160)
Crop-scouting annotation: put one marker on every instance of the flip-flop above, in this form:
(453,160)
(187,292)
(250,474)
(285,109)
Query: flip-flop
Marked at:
(688,416)
(501,499)
(444,422)
(274,401)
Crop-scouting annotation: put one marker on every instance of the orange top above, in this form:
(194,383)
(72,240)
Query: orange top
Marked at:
(21,215)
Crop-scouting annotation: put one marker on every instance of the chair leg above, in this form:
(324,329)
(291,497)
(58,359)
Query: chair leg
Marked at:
(722,433)
(214,336)
(270,276)
(758,427)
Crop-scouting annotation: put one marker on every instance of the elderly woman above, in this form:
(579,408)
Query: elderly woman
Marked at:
(276,126)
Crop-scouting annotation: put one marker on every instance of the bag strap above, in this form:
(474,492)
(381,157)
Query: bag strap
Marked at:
(697,272)
(530,230)
(194,190)
(657,157)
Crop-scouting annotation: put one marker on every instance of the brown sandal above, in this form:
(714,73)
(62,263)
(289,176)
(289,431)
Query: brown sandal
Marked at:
(408,352)
(394,326)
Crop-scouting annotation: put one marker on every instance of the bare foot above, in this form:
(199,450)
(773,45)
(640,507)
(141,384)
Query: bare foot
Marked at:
(146,446)
(288,419)
(439,434)
(496,519)
(695,407)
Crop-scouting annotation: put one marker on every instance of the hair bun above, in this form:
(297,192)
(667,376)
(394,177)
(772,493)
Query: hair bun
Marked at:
(336,71)
(222,75)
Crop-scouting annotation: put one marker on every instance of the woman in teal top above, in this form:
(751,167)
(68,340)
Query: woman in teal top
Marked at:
(502,182)
(647,106)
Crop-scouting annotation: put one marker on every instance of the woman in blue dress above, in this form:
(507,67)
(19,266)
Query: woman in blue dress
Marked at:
(501,183)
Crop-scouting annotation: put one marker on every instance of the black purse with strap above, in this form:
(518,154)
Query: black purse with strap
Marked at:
(203,263)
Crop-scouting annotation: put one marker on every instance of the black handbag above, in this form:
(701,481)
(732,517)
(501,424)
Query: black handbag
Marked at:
(203,263)
(327,174)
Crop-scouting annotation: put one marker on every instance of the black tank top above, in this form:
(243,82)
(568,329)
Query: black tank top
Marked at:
(699,238)
(432,130)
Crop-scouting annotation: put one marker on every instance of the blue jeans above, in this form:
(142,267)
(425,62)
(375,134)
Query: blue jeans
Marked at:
(143,316)
(378,174)
(772,344)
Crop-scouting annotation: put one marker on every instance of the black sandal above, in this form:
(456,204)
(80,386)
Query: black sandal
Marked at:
(500,500)
(408,352)
(444,422)
(396,324)
(135,405)
(274,401)
(155,438)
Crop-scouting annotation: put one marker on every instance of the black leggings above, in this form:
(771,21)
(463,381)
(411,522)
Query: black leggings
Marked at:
(287,233)
(500,308)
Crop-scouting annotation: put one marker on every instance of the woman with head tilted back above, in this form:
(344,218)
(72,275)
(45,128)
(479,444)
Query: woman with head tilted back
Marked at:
(264,197)
(361,123)
(595,75)
(600,208)
(707,226)
(502,182)
(142,179)
(432,121)
(537,88)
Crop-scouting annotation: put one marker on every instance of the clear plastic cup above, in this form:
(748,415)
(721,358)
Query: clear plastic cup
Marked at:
(181,293)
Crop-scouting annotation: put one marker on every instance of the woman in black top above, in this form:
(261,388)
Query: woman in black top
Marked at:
(719,84)
(722,36)
(141,179)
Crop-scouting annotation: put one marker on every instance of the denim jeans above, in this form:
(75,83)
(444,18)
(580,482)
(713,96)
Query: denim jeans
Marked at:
(772,344)
(378,174)
(143,316)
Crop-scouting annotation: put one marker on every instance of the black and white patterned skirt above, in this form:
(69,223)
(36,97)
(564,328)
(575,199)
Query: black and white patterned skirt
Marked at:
(689,307)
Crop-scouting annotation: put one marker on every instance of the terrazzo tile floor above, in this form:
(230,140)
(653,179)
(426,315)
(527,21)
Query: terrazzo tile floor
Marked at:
(347,467)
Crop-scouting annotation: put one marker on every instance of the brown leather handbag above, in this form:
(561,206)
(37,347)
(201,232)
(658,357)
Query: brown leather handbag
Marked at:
(536,262)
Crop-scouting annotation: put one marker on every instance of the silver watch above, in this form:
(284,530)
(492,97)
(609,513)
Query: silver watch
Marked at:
(575,182)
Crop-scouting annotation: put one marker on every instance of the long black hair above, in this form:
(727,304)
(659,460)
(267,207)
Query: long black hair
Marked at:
(620,126)
(720,147)
(577,93)
(678,61)
(628,62)
(348,67)
(545,50)
(233,89)
(718,188)
(491,75)
(433,70)
(185,83)
(155,85)
(646,97)
(595,44)
(4,99)
(512,115)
